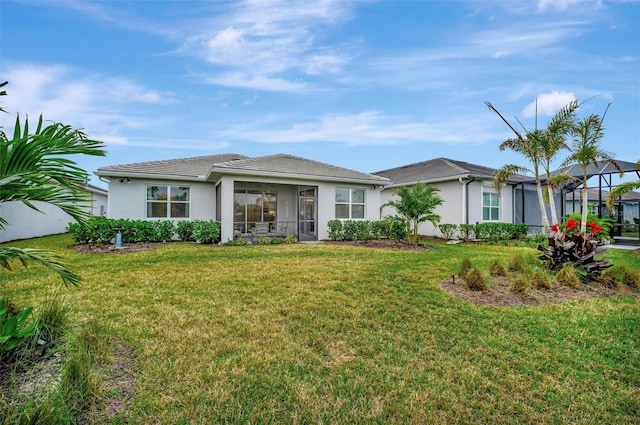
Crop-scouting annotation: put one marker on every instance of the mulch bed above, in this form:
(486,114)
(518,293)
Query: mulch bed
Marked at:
(499,294)
(110,249)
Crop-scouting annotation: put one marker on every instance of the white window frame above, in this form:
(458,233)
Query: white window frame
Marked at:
(491,206)
(168,201)
(350,203)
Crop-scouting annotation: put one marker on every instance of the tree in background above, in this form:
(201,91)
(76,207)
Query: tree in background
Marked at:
(416,204)
(34,167)
(539,147)
(585,150)
(622,188)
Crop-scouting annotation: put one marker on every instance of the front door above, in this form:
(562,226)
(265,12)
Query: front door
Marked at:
(307,229)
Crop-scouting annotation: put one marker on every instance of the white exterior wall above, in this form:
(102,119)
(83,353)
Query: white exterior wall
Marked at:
(325,205)
(129,199)
(454,208)
(27,223)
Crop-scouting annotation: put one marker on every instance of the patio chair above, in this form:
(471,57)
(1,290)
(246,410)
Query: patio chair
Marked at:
(259,230)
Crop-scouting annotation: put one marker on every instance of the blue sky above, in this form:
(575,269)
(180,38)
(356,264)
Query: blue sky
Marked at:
(367,85)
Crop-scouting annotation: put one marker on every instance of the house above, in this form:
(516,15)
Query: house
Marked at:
(279,194)
(468,193)
(25,222)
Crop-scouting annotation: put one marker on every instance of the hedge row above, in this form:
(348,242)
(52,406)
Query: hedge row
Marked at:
(484,231)
(102,230)
(364,230)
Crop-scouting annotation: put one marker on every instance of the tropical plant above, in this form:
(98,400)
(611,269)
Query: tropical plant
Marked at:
(585,150)
(416,204)
(34,167)
(622,188)
(13,329)
(540,148)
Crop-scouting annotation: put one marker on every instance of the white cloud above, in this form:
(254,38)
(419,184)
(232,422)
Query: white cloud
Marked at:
(561,5)
(96,104)
(256,82)
(367,128)
(548,103)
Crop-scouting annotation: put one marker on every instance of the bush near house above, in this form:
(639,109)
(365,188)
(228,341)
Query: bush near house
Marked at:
(390,227)
(102,230)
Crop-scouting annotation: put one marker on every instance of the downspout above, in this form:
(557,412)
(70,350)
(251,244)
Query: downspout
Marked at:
(465,197)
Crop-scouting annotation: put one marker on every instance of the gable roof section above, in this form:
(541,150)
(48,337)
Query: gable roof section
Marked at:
(195,168)
(438,170)
(206,168)
(290,166)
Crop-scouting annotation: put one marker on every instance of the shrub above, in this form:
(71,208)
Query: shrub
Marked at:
(465,266)
(448,230)
(236,242)
(290,239)
(13,328)
(394,227)
(206,231)
(276,241)
(350,230)
(496,268)
(264,240)
(474,280)
(568,276)
(336,232)
(162,230)
(184,229)
(540,279)
(467,231)
(519,284)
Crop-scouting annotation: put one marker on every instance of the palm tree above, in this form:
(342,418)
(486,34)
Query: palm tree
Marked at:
(35,167)
(585,150)
(622,188)
(416,204)
(540,147)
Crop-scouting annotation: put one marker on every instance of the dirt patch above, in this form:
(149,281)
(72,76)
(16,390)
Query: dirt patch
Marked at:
(118,377)
(499,294)
(110,249)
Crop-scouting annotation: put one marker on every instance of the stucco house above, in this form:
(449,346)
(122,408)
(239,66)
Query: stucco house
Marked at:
(468,193)
(283,194)
(26,223)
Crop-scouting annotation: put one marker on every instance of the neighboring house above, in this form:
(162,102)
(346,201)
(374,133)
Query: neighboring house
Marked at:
(468,193)
(627,208)
(278,194)
(25,222)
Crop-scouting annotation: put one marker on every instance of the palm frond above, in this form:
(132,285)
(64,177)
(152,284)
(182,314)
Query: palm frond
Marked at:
(43,257)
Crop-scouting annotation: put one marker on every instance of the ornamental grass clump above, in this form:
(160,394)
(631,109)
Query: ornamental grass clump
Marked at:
(568,276)
(540,279)
(517,263)
(474,280)
(465,266)
(520,284)
(496,268)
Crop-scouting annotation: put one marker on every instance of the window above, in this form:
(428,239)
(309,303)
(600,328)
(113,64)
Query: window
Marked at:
(490,207)
(349,203)
(253,206)
(168,201)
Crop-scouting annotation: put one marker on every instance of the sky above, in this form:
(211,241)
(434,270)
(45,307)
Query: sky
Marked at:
(367,85)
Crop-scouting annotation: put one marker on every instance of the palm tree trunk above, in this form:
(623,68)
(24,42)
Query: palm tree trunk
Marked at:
(543,209)
(585,208)
(552,206)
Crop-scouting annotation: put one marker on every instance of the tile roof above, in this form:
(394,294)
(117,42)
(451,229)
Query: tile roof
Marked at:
(439,169)
(290,165)
(202,167)
(196,167)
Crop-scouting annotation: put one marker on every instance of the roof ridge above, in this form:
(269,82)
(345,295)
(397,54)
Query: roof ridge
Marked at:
(454,164)
(164,161)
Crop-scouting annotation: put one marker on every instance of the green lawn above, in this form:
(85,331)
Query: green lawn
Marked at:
(342,335)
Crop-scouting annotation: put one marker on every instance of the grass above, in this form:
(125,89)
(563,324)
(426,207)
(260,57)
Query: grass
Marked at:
(332,334)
